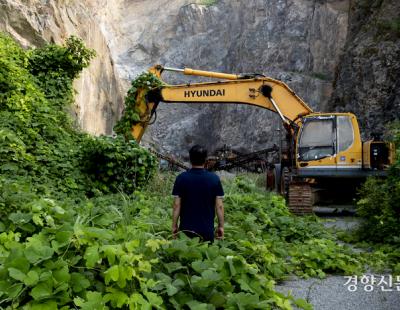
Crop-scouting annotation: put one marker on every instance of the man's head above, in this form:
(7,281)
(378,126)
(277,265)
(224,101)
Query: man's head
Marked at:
(197,155)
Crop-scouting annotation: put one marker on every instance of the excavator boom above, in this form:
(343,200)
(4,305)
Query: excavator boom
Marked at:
(259,91)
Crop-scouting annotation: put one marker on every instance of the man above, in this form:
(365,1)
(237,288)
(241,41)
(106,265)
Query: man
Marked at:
(198,196)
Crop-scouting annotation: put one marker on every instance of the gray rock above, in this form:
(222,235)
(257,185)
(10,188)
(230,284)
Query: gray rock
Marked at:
(368,77)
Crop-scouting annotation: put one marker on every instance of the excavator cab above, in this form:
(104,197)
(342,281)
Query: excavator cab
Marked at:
(317,139)
(330,142)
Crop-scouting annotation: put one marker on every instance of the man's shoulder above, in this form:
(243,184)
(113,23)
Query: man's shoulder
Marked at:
(182,175)
(188,174)
(212,175)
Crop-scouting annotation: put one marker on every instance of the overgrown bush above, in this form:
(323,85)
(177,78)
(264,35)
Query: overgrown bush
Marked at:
(39,146)
(380,203)
(114,165)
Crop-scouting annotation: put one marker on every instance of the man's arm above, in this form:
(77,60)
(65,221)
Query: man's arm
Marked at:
(176,211)
(219,208)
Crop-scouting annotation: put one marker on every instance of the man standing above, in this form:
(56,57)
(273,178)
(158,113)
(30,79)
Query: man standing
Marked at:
(198,196)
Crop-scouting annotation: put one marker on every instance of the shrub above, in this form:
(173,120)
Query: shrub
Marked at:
(114,165)
(380,203)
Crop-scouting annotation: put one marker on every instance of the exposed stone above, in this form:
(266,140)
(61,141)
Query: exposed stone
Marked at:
(298,41)
(34,23)
(368,79)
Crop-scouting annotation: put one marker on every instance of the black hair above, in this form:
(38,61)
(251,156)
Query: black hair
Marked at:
(197,155)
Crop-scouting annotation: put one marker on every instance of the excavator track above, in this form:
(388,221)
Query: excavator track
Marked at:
(301,198)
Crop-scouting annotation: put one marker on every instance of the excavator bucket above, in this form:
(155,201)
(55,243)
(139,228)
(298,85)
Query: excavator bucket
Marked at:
(144,106)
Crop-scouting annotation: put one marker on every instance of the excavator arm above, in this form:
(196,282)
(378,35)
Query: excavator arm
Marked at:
(259,91)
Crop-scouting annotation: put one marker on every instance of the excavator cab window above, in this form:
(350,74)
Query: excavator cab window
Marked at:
(345,133)
(317,138)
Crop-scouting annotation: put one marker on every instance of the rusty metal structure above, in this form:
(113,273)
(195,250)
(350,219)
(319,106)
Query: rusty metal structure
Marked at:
(229,159)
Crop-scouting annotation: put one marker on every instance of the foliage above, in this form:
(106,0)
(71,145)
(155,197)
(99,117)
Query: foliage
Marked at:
(55,67)
(389,28)
(380,203)
(116,251)
(41,151)
(37,141)
(114,165)
(208,2)
(139,88)
(320,76)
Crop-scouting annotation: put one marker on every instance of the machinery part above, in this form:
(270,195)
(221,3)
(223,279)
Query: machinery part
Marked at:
(274,178)
(285,182)
(244,160)
(301,198)
(171,160)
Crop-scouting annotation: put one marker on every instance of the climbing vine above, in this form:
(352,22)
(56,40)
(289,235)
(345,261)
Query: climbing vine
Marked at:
(143,83)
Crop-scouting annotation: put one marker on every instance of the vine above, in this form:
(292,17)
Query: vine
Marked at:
(131,116)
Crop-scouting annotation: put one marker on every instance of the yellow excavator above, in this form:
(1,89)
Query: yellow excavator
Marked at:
(323,155)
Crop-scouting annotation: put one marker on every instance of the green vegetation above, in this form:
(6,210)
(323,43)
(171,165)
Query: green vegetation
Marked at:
(143,83)
(320,76)
(116,251)
(379,207)
(380,204)
(40,149)
(208,2)
(389,29)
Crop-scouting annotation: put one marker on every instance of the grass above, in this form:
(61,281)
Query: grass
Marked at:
(208,2)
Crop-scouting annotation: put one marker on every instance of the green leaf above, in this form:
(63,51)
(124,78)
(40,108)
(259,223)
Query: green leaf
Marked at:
(174,266)
(153,299)
(14,290)
(211,275)
(117,298)
(48,305)
(16,274)
(38,252)
(110,251)
(20,218)
(171,290)
(40,291)
(63,237)
(112,273)
(79,282)
(20,263)
(136,301)
(62,275)
(92,256)
(218,300)
(195,305)
(94,300)
(32,278)
(303,304)
(153,244)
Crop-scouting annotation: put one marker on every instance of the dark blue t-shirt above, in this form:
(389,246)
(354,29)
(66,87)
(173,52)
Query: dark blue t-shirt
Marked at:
(198,189)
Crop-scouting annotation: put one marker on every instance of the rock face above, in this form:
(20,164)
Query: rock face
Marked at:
(34,23)
(297,41)
(368,77)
